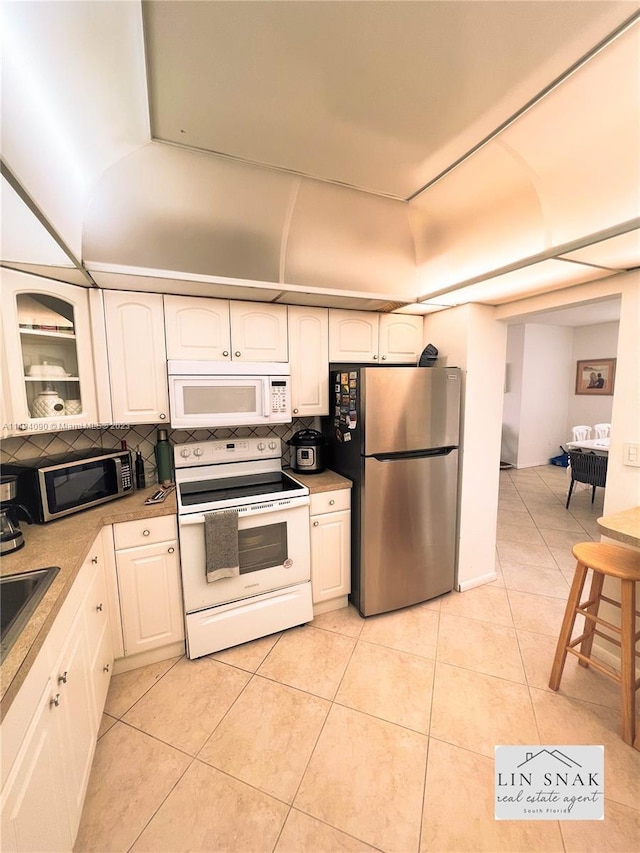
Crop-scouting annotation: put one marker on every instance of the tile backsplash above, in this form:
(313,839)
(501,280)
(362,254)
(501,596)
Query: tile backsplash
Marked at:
(140,437)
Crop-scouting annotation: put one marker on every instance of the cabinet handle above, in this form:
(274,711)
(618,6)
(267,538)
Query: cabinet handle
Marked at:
(316,523)
(94,560)
(384,358)
(237,354)
(295,411)
(331,502)
(62,679)
(22,427)
(55,701)
(162,416)
(105,668)
(99,608)
(225,352)
(170,550)
(145,532)
(375,358)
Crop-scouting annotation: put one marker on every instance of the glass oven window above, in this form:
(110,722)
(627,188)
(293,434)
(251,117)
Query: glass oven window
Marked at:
(262,547)
(220,399)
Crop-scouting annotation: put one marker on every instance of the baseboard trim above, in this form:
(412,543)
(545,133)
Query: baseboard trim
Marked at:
(479,581)
(173,650)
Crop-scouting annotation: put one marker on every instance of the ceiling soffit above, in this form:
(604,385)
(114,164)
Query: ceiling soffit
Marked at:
(380,96)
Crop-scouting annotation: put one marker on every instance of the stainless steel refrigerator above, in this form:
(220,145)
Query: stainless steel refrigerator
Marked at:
(394,431)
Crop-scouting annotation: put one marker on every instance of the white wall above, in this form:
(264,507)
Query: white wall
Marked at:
(469,337)
(546,386)
(512,403)
(599,341)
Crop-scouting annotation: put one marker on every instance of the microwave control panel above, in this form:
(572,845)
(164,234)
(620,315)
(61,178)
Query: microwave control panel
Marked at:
(279,394)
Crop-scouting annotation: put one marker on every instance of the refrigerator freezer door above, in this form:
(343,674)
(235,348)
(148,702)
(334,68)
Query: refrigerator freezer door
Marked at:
(408,518)
(409,408)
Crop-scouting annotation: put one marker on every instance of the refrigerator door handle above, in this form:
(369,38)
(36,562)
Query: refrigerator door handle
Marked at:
(413,454)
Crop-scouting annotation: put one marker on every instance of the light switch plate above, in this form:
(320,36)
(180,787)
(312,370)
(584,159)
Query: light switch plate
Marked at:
(631,455)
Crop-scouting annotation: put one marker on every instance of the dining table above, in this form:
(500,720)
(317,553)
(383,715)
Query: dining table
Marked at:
(595,445)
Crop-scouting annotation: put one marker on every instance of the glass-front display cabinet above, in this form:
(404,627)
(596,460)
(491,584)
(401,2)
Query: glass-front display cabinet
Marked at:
(49,360)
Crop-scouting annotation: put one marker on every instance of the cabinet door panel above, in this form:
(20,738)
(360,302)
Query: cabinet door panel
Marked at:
(137,357)
(197,328)
(309,354)
(330,555)
(34,807)
(258,332)
(353,336)
(400,338)
(151,599)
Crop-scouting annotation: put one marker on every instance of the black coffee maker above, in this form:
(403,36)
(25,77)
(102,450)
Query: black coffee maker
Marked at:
(11,538)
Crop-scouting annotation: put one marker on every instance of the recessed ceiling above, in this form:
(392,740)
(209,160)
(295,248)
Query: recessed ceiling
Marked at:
(587,314)
(381,96)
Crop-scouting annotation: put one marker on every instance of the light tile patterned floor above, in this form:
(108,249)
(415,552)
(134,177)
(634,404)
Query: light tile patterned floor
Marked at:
(354,735)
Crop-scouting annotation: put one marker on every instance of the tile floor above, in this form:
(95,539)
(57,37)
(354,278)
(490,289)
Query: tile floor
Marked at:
(378,734)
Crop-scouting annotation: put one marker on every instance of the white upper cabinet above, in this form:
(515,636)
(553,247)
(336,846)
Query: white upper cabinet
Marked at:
(202,329)
(48,355)
(197,329)
(353,336)
(309,354)
(400,338)
(367,337)
(258,332)
(137,357)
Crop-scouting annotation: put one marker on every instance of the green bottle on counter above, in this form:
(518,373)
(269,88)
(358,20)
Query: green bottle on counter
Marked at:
(164,458)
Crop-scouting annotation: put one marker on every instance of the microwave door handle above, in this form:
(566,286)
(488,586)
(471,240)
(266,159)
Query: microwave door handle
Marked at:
(267,401)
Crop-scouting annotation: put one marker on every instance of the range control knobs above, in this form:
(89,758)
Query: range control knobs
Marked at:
(261,445)
(185,452)
(272,445)
(198,451)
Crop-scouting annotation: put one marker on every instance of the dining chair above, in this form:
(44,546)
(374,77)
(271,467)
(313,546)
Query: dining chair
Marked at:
(602,430)
(580,433)
(589,468)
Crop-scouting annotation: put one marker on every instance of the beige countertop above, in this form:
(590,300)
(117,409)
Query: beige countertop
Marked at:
(325,481)
(623,526)
(64,543)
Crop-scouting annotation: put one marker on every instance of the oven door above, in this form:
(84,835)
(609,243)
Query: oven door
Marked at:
(273,545)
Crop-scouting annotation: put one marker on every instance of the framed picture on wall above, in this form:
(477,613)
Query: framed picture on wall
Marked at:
(596,376)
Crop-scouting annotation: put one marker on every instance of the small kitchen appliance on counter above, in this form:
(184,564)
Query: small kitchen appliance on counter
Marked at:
(307,451)
(11,538)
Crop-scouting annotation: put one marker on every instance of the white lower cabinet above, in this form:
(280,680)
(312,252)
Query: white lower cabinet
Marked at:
(330,549)
(49,732)
(148,569)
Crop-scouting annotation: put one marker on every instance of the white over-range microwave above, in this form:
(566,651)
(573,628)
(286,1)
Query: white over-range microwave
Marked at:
(223,394)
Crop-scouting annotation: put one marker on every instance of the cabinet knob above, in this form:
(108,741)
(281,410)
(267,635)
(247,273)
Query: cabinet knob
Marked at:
(225,352)
(384,358)
(105,668)
(22,427)
(55,701)
(295,411)
(163,417)
(99,607)
(237,354)
(331,502)
(146,532)
(94,560)
(170,550)
(62,679)
(316,523)
(375,358)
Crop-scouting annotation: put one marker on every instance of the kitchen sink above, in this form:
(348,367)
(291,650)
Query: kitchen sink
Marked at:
(19,596)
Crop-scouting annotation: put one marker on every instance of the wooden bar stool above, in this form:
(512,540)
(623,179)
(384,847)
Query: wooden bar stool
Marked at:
(616,562)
